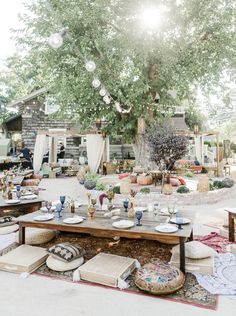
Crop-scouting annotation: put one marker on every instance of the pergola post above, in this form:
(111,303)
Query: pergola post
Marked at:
(218,155)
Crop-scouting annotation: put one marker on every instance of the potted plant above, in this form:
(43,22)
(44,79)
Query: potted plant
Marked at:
(90,180)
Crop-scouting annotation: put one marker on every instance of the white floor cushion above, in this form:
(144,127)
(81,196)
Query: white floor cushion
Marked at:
(59,265)
(8,229)
(195,250)
(37,236)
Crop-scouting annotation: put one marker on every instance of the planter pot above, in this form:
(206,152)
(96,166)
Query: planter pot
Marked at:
(144,180)
(89,184)
(167,189)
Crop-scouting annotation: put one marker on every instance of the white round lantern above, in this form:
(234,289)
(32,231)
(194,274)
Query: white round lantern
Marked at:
(118,107)
(55,40)
(96,83)
(90,66)
(106,99)
(102,92)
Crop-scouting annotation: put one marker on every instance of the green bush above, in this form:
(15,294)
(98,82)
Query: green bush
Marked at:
(217,184)
(145,190)
(91,176)
(183,189)
(100,186)
(116,189)
(189,174)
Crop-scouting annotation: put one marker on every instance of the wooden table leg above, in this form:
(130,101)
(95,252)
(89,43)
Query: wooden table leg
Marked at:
(191,236)
(231,227)
(21,234)
(182,253)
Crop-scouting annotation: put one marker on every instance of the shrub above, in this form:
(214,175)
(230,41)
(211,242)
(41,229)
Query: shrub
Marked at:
(100,186)
(183,189)
(189,174)
(145,190)
(217,184)
(116,189)
(91,176)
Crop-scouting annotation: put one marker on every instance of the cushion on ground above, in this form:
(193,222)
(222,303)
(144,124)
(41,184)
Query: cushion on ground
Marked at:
(196,250)
(7,221)
(24,258)
(182,181)
(204,266)
(8,229)
(59,265)
(123,175)
(66,252)
(174,182)
(159,278)
(37,236)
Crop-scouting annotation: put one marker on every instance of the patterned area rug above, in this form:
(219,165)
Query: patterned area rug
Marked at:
(215,241)
(144,251)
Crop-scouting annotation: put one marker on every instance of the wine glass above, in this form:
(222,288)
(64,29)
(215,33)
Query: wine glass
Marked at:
(18,187)
(48,206)
(59,209)
(93,201)
(126,205)
(157,209)
(18,194)
(139,215)
(171,211)
(179,220)
(62,200)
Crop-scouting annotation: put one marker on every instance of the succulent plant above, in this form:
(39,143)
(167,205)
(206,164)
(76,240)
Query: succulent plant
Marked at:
(183,189)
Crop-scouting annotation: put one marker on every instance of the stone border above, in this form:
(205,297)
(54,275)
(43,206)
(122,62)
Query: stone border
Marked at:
(192,198)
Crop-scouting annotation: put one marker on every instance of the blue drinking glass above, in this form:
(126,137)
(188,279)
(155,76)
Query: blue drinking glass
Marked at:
(59,209)
(139,215)
(179,221)
(62,200)
(18,187)
(126,205)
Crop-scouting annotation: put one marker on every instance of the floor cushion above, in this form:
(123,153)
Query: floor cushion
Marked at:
(66,252)
(159,278)
(7,221)
(174,182)
(37,236)
(59,265)
(123,175)
(195,250)
(8,229)
(182,181)
(30,182)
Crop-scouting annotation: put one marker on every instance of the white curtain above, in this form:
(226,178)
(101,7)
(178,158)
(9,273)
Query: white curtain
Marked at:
(39,151)
(52,149)
(95,147)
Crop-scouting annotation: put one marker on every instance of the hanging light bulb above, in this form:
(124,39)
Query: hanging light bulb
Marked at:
(106,99)
(96,83)
(55,40)
(90,66)
(118,107)
(102,92)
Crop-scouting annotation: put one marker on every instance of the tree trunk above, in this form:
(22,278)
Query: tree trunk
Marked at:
(141,152)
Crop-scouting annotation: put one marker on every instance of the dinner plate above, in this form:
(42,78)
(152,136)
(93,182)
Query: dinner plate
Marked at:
(44,209)
(123,224)
(166,228)
(165,212)
(29,197)
(12,201)
(73,220)
(43,218)
(140,208)
(180,220)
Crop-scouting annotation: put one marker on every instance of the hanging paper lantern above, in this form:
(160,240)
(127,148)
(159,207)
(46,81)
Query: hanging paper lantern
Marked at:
(106,99)
(118,107)
(102,92)
(90,66)
(55,40)
(96,83)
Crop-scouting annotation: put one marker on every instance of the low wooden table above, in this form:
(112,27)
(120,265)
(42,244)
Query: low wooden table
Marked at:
(102,227)
(231,218)
(25,206)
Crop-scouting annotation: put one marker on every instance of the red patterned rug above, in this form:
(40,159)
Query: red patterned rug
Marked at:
(142,250)
(215,241)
